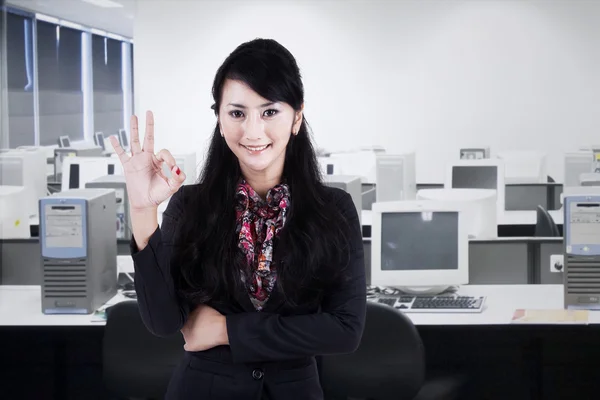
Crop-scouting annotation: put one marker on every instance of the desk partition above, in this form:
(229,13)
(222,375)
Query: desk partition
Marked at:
(503,261)
(491,262)
(548,247)
(527,196)
(20,260)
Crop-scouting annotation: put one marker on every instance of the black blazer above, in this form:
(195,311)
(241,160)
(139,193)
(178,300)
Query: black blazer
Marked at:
(271,353)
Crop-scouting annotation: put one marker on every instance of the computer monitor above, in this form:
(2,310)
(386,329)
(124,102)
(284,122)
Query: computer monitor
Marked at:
(60,154)
(27,168)
(123,140)
(475,153)
(478,174)
(187,163)
(99,140)
(77,171)
(64,141)
(577,163)
(396,177)
(419,245)
(524,166)
(349,184)
(480,214)
(14,218)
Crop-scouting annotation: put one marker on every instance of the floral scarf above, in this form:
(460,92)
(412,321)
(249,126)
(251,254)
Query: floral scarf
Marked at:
(258,223)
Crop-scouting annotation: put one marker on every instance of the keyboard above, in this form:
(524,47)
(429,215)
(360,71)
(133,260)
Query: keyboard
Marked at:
(434,304)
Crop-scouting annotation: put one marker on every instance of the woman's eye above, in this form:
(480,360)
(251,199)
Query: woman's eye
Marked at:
(236,114)
(270,113)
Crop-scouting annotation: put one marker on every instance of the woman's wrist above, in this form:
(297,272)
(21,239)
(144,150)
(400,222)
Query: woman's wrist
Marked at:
(223,337)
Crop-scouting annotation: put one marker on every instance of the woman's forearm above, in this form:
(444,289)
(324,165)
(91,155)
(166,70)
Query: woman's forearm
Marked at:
(143,225)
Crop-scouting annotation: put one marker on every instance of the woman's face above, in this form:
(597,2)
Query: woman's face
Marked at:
(256,130)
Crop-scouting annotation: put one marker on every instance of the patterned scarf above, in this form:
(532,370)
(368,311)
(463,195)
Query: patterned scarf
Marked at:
(258,223)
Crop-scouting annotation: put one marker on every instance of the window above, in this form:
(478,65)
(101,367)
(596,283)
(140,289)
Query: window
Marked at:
(59,83)
(108,91)
(20,80)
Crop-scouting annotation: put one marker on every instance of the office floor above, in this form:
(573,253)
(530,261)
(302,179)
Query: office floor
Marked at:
(514,362)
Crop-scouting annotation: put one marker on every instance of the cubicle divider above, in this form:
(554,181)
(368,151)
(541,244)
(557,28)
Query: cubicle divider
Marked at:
(505,261)
(527,196)
(20,260)
(502,261)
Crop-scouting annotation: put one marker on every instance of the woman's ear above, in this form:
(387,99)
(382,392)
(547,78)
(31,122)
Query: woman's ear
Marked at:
(298,120)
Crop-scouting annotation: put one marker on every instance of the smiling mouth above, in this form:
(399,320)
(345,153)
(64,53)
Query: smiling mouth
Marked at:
(256,149)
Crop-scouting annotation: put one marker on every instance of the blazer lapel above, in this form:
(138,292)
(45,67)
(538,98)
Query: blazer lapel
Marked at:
(275,300)
(243,298)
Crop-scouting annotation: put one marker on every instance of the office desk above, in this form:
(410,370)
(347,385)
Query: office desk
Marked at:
(22,306)
(501,302)
(61,356)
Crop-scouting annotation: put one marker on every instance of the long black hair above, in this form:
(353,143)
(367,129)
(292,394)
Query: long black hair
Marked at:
(312,250)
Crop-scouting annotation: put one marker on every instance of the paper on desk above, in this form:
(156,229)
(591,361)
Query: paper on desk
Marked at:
(550,317)
(100,314)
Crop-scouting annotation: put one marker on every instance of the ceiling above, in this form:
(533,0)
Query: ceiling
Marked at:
(113,20)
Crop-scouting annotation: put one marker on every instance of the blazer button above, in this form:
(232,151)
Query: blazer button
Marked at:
(257,374)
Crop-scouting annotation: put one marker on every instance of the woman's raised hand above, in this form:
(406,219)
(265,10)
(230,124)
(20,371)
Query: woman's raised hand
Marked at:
(147,185)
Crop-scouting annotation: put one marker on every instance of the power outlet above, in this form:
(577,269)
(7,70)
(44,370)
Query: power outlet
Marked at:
(557,263)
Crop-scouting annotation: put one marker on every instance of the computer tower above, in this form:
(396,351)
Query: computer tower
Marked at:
(78,250)
(576,164)
(581,275)
(351,184)
(117,183)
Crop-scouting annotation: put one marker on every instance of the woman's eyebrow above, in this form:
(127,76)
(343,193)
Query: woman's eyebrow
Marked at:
(244,107)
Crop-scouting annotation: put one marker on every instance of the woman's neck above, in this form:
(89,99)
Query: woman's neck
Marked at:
(262,183)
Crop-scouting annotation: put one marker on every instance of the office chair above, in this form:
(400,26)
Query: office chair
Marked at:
(545,225)
(136,364)
(551,179)
(388,364)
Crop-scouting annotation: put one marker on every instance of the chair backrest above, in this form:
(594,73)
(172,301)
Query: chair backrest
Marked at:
(388,364)
(135,362)
(545,225)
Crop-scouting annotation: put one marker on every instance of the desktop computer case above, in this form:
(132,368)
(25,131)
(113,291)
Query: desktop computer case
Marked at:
(581,277)
(117,182)
(78,280)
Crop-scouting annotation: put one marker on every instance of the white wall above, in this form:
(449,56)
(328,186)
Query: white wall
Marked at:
(432,76)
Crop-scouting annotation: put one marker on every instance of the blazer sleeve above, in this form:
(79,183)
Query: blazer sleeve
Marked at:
(337,329)
(161,309)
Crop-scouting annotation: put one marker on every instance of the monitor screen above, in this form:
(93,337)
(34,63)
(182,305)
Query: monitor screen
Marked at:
(419,241)
(64,141)
(99,140)
(123,138)
(474,177)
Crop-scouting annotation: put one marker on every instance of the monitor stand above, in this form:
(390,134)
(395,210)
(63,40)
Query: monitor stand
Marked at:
(424,290)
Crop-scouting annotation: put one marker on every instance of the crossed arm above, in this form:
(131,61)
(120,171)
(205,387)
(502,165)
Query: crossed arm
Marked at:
(255,336)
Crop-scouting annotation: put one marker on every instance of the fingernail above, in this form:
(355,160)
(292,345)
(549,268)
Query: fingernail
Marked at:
(178,171)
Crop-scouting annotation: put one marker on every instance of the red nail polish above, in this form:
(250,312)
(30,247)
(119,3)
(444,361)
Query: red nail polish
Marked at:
(178,171)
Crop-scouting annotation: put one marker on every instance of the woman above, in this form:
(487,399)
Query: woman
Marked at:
(259,265)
